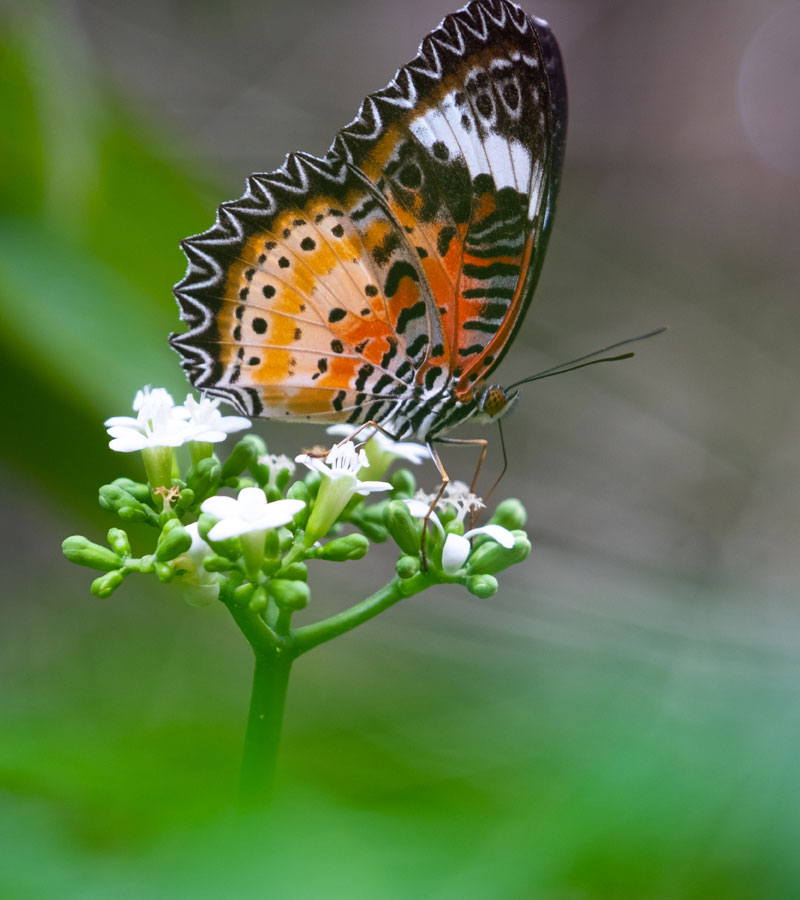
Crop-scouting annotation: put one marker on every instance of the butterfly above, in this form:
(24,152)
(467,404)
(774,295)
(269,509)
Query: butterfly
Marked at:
(385,281)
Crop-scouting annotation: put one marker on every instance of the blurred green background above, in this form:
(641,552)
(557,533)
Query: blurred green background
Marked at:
(622,719)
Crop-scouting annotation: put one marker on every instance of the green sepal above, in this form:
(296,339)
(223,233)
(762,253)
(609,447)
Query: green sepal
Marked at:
(407,567)
(105,585)
(351,546)
(289,595)
(137,489)
(164,572)
(402,526)
(490,557)
(243,593)
(83,552)
(510,514)
(119,542)
(217,564)
(482,586)
(259,599)
(299,491)
(204,477)
(244,454)
(173,540)
(403,482)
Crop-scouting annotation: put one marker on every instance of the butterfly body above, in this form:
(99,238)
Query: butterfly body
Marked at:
(385,281)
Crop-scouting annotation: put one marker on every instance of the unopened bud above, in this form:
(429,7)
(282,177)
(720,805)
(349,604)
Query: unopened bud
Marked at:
(258,600)
(105,585)
(296,572)
(289,595)
(119,543)
(243,455)
(136,489)
(299,491)
(204,478)
(83,552)
(407,567)
(352,546)
(483,586)
(164,572)
(172,541)
(510,514)
(491,557)
(403,482)
(402,527)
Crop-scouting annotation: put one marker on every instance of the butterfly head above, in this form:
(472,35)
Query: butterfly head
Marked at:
(493,402)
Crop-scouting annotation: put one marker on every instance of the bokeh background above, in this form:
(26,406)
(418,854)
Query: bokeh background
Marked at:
(623,718)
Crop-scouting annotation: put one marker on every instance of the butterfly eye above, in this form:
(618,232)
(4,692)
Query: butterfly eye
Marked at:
(494,401)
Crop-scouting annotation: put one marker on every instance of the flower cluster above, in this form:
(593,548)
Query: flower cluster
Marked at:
(241,530)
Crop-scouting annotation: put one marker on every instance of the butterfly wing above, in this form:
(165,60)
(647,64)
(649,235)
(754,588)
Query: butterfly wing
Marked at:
(337,288)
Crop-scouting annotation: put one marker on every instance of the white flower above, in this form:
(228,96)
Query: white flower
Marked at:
(457,547)
(210,425)
(340,483)
(159,423)
(249,512)
(457,496)
(407,450)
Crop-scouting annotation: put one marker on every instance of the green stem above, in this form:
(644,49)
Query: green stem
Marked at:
(264,723)
(310,636)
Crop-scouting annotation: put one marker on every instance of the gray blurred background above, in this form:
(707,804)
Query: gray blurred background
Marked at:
(656,625)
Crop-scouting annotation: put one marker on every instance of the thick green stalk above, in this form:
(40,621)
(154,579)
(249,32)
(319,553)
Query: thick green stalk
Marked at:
(264,724)
(309,636)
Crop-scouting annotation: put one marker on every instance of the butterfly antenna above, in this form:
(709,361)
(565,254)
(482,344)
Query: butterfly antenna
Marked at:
(587,360)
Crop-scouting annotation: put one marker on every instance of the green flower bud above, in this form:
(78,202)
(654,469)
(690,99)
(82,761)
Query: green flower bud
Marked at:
(164,572)
(491,557)
(136,489)
(285,537)
(217,564)
(289,595)
(483,586)
(373,530)
(119,543)
(312,481)
(296,572)
(272,545)
(403,482)
(402,527)
(259,600)
(185,501)
(243,593)
(510,514)
(172,541)
(273,494)
(244,454)
(407,567)
(105,585)
(204,478)
(352,546)
(83,552)
(299,491)
(139,513)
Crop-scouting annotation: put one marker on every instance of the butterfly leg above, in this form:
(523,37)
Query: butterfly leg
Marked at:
(475,442)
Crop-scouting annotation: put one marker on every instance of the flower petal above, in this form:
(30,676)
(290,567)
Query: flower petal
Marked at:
(367,487)
(454,553)
(230,527)
(497,533)
(220,507)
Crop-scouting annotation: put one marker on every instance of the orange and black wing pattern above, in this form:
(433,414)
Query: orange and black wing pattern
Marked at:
(355,286)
